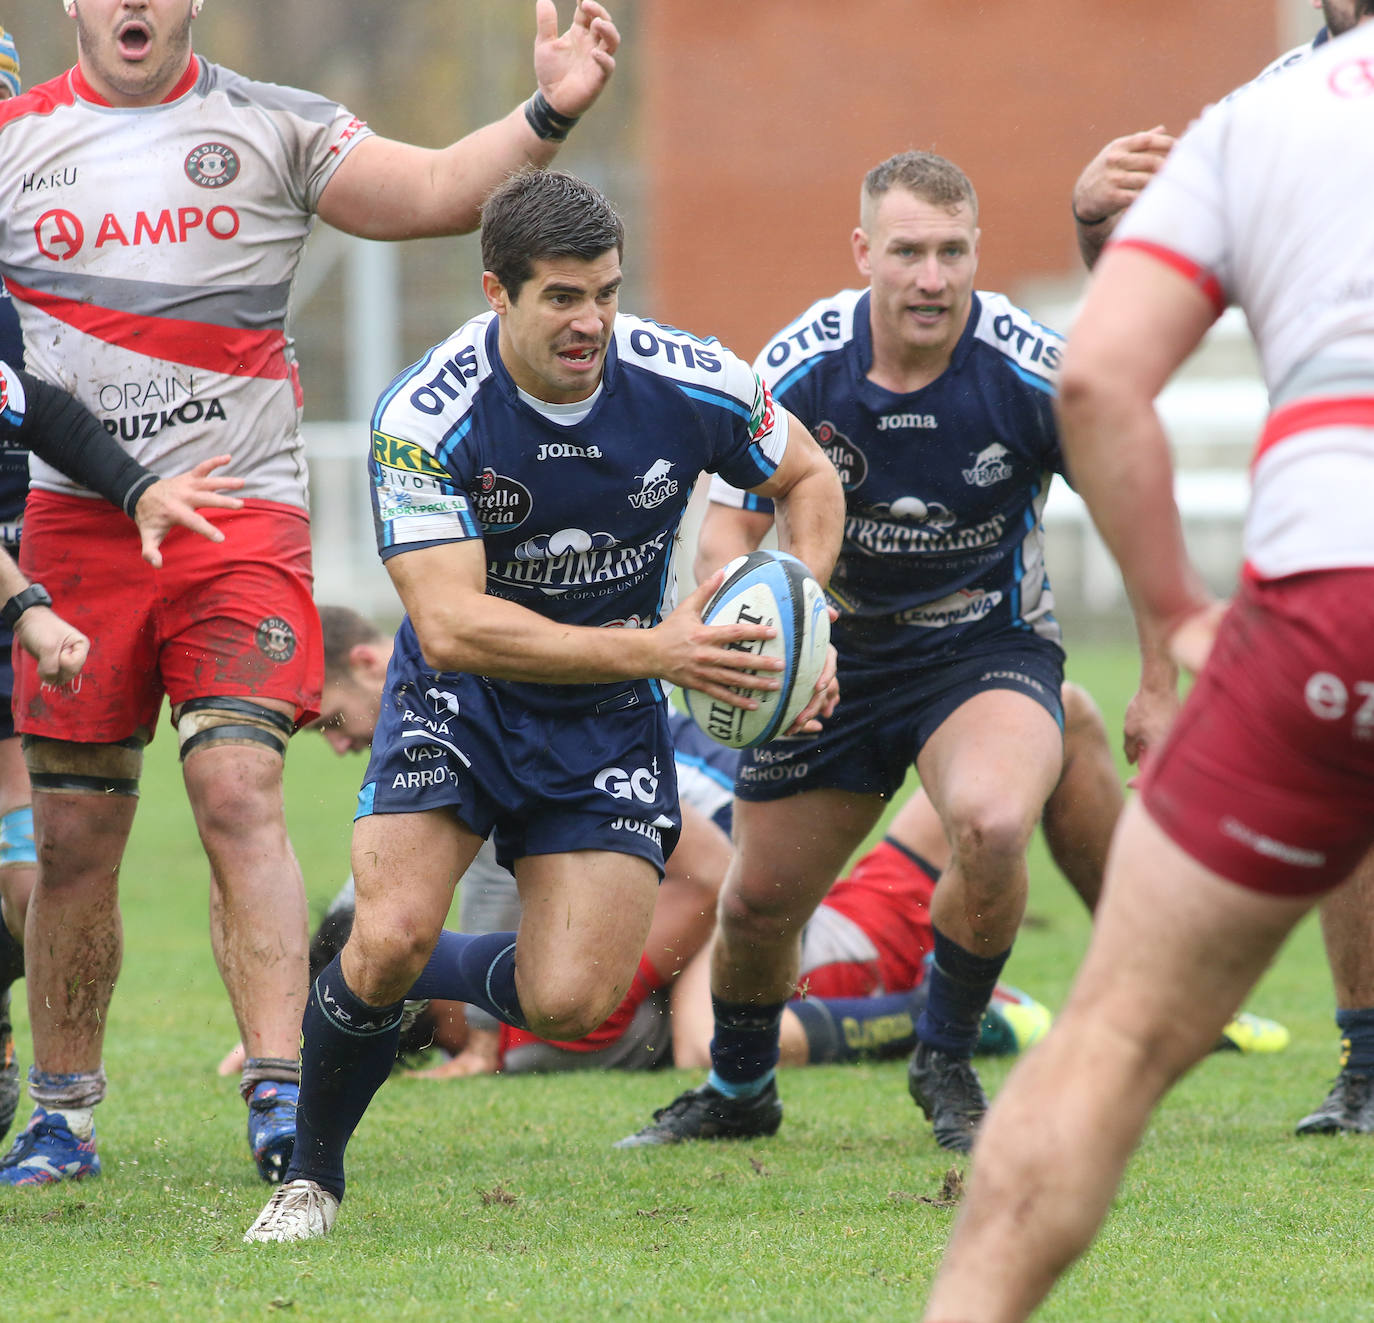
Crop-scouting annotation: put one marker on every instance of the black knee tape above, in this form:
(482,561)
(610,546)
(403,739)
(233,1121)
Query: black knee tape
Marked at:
(65,767)
(264,726)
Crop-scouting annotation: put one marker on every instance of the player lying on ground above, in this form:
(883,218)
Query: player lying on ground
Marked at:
(863,956)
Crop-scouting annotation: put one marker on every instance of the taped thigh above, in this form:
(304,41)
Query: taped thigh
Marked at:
(68,768)
(205,722)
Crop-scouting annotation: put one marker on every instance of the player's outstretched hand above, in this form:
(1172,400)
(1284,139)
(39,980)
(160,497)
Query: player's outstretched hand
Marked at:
(706,657)
(173,501)
(573,68)
(58,648)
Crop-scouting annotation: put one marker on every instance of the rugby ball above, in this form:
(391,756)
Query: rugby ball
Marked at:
(767,588)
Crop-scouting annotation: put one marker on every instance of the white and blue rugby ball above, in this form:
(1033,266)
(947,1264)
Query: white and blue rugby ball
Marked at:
(767,588)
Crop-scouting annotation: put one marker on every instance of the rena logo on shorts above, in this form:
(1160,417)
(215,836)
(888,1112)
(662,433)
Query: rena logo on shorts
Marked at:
(640,784)
(212,165)
(443,700)
(276,639)
(655,486)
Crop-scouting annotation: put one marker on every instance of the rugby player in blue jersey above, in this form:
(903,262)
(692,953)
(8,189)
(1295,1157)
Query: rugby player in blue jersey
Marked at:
(933,401)
(529,477)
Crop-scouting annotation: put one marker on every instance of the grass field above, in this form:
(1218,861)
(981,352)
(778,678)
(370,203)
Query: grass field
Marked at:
(496,1198)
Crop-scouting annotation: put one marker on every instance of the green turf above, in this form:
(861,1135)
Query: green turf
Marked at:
(493,1198)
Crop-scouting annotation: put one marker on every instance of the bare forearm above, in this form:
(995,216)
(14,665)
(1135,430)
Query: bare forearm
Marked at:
(1092,239)
(465,172)
(493,637)
(393,190)
(12,579)
(810,520)
(1119,458)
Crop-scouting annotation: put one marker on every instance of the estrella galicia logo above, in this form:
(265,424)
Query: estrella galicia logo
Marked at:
(212,165)
(276,639)
(59,234)
(847,458)
(501,502)
(655,486)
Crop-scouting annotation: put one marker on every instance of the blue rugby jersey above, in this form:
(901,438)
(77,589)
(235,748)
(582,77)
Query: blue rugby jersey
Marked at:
(578,520)
(14,458)
(944,486)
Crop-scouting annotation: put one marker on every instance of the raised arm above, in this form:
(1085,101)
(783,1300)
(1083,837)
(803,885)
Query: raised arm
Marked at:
(1110,182)
(386,189)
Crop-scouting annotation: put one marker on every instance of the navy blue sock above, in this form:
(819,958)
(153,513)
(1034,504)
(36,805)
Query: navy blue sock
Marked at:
(477,968)
(1357,1040)
(744,1050)
(959,987)
(347,1051)
(846,1028)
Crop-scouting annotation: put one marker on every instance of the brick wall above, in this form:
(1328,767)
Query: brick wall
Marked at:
(760,118)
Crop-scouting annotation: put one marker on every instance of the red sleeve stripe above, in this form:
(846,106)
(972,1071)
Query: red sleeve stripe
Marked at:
(1186,267)
(1308,415)
(220,349)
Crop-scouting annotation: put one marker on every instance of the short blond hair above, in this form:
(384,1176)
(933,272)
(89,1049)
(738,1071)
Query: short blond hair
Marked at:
(929,177)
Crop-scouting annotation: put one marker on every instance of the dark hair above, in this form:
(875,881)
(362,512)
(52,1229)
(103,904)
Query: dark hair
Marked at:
(343,630)
(931,178)
(537,214)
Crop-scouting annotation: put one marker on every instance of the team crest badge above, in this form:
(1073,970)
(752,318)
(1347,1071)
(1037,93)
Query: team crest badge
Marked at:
(212,165)
(276,639)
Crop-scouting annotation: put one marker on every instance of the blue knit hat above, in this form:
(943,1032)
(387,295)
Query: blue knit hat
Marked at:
(9,65)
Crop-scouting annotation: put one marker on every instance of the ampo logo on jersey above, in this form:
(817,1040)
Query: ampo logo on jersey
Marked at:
(60,235)
(212,165)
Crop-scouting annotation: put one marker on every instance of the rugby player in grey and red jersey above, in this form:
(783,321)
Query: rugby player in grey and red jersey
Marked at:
(156,209)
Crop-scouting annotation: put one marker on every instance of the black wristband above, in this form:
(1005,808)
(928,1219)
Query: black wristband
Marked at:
(1082,220)
(34,595)
(546,122)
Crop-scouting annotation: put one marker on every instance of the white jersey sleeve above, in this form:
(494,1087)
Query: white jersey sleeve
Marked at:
(1181,216)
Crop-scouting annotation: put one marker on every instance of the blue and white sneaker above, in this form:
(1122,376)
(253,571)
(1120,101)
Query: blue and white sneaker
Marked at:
(54,1146)
(272,1127)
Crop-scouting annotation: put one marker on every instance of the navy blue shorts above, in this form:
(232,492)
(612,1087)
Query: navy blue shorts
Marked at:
(537,781)
(885,716)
